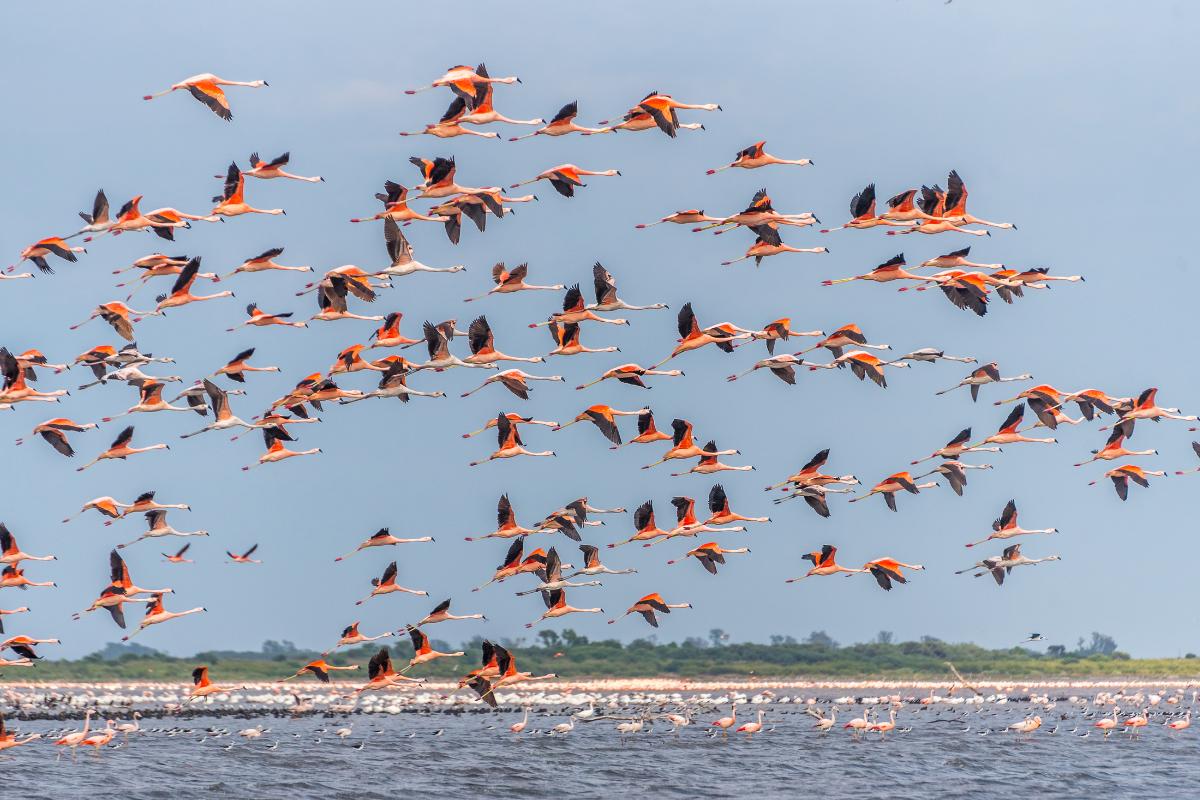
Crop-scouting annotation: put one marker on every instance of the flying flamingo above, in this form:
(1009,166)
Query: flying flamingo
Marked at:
(350,637)
(632,375)
(955,473)
(318,669)
(441,613)
(592,565)
(892,484)
(824,563)
(888,271)
(231,202)
(509,443)
(957,447)
(556,606)
(267,170)
(638,120)
(755,156)
(261,319)
(516,381)
(763,248)
(1115,448)
(54,431)
(662,107)
(10,551)
(710,555)
(605,286)
(604,418)
(684,446)
(448,126)
(693,337)
(1145,407)
(508,281)
(482,343)
(958,258)
(988,373)
(387,585)
(243,558)
(274,437)
(551,579)
(561,124)
(178,557)
(862,212)
(863,365)
(383,538)
(150,399)
(121,448)
(462,81)
(423,652)
(1000,566)
(709,463)
(53,245)
(566,341)
(648,605)
(691,216)
(778,330)
(264,262)
(481,109)
(887,571)
(206,88)
(395,206)
(203,688)
(400,254)
(14,577)
(157,520)
(782,366)
(155,614)
(574,310)
(1121,476)
(1009,431)
(565,177)
(10,740)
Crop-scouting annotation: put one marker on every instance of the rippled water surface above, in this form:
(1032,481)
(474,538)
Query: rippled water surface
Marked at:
(948,752)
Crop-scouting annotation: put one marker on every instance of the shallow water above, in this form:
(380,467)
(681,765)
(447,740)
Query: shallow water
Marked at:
(945,754)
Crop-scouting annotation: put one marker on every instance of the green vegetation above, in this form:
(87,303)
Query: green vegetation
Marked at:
(574,656)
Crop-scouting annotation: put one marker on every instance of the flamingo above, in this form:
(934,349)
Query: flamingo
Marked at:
(54,431)
(480,104)
(605,286)
(1000,566)
(566,341)
(693,337)
(331,298)
(268,170)
(824,562)
(1177,725)
(551,579)
(561,124)
(150,399)
(508,281)
(1026,726)
(157,520)
(763,248)
(863,365)
(709,463)
(423,652)
(556,606)
(1006,527)
(592,565)
(231,202)
(122,449)
(576,311)
(709,555)
(462,81)
(10,551)
(718,506)
(75,738)
(957,447)
(888,271)
(350,637)
(1009,432)
(887,571)
(778,330)
(604,418)
(516,381)
(1121,476)
(1115,448)
(243,558)
(387,585)
(565,177)
(755,156)
(10,740)
(203,688)
(264,262)
(14,576)
(383,538)
(156,613)
(395,206)
(1135,723)
(1146,407)
(206,88)
(441,613)
(691,216)
(15,389)
(449,125)
(178,557)
(988,373)
(274,436)
(761,218)
(725,723)
(648,605)
(781,366)
(661,108)
(98,221)
(683,445)
(482,343)
(53,245)
(955,473)
(181,291)
(631,374)
(400,254)
(862,213)
(892,484)
(518,727)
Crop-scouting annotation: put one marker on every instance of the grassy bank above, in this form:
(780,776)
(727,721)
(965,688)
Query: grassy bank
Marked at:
(575,657)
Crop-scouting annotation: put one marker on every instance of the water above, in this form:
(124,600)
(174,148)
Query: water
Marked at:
(472,754)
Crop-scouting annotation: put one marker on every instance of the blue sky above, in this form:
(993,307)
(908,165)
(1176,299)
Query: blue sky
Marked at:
(1069,122)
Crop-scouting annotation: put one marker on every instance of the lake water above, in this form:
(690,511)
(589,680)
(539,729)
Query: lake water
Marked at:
(948,752)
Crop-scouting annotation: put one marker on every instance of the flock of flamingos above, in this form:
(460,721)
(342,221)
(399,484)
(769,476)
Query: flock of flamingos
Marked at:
(930,210)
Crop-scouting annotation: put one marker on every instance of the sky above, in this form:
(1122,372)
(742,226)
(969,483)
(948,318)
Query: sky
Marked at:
(1070,123)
